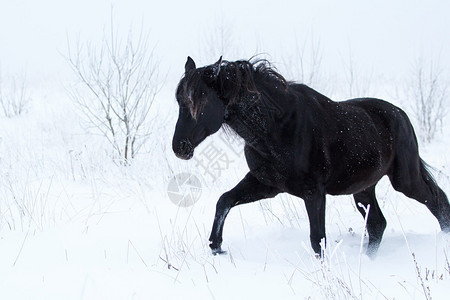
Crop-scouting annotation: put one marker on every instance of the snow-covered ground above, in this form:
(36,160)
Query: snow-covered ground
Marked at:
(76,225)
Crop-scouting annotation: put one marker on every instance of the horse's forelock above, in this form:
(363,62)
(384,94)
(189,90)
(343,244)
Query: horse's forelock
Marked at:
(191,92)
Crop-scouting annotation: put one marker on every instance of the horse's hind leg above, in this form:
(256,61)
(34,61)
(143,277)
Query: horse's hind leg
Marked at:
(376,223)
(416,182)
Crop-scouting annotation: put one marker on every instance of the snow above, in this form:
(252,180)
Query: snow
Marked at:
(74,224)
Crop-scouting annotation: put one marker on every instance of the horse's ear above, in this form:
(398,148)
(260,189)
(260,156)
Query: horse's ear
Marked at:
(216,67)
(190,64)
(212,72)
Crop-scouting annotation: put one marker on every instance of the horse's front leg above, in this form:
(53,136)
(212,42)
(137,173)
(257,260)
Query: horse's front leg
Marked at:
(315,207)
(248,190)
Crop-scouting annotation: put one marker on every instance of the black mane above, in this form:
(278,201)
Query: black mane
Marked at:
(239,78)
(235,81)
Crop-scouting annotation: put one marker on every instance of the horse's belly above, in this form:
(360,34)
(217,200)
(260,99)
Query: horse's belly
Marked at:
(350,188)
(354,181)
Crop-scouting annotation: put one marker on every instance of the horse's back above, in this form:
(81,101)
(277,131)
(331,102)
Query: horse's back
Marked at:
(378,108)
(390,120)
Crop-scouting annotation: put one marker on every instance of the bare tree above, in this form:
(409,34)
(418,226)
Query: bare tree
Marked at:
(357,82)
(304,65)
(119,82)
(429,89)
(14,95)
(219,41)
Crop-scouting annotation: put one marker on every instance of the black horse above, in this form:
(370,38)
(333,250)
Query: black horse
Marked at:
(300,142)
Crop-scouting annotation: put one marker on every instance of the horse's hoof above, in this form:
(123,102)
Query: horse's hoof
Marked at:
(219,251)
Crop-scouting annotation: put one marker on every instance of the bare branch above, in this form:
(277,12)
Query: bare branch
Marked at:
(429,90)
(14,95)
(120,80)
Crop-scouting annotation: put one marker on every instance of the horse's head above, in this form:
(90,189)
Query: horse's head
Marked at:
(201,111)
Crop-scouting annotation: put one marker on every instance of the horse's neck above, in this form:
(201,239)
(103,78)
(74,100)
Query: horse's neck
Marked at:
(252,119)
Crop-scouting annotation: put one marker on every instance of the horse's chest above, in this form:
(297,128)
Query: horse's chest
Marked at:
(269,167)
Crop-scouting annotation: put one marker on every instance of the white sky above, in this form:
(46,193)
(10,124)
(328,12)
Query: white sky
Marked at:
(382,35)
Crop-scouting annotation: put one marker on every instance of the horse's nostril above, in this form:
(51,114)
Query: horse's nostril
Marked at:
(185,149)
(185,146)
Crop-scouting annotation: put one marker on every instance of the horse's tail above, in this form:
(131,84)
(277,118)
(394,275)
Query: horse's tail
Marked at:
(438,194)
(428,178)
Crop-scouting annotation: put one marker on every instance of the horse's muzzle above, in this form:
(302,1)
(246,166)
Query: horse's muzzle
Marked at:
(184,150)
